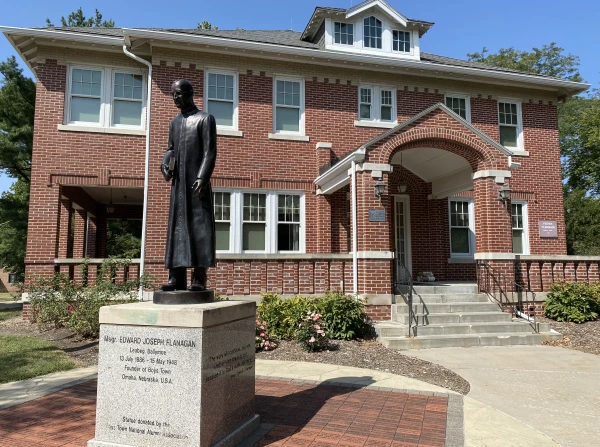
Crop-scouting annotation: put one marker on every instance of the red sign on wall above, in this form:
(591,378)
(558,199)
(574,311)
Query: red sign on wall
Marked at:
(548,228)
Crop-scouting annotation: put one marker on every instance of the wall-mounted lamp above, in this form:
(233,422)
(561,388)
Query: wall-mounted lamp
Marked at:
(504,193)
(402,187)
(379,188)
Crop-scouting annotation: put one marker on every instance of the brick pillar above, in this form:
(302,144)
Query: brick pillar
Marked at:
(91,238)
(64,226)
(493,229)
(80,233)
(323,227)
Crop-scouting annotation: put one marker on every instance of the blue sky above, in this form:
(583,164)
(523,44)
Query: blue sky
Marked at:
(460,27)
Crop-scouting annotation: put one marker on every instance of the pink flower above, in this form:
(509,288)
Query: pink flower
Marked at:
(264,323)
(70,308)
(321,332)
(312,340)
(315,318)
(262,334)
(262,327)
(317,327)
(266,348)
(256,321)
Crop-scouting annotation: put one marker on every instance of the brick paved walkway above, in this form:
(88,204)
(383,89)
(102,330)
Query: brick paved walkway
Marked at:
(299,415)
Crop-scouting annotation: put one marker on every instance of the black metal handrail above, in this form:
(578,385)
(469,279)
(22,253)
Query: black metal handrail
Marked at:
(404,286)
(505,291)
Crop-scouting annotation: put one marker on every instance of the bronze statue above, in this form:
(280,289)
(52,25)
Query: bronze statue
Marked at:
(188,164)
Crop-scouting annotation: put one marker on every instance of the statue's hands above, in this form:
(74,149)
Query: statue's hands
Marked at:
(200,188)
(168,175)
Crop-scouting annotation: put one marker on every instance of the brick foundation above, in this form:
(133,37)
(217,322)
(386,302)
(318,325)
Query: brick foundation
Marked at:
(379,312)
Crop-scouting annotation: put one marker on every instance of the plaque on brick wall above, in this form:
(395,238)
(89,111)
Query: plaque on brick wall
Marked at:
(548,228)
(376,215)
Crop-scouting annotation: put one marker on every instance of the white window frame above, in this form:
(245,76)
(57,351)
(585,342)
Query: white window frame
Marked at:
(335,22)
(235,75)
(519,125)
(467,99)
(301,126)
(106,98)
(231,211)
(237,213)
(383,31)
(525,228)
(376,104)
(410,41)
(471,209)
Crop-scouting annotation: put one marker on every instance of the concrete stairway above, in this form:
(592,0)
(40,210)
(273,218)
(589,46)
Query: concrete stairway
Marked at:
(455,315)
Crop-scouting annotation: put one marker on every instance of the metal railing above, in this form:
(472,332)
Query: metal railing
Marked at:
(404,286)
(505,291)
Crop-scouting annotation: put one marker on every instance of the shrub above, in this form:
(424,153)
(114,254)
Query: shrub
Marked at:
(58,301)
(311,333)
(344,316)
(573,301)
(263,341)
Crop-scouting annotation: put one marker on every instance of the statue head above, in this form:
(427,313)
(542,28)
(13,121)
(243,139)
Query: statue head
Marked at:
(183,94)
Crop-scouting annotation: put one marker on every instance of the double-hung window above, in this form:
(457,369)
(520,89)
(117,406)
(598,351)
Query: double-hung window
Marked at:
(519,227)
(288,99)
(377,104)
(462,235)
(509,121)
(372,32)
(105,97)
(343,33)
(222,98)
(259,221)
(459,104)
(401,41)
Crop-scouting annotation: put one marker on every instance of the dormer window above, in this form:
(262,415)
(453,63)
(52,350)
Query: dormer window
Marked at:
(344,33)
(372,33)
(401,41)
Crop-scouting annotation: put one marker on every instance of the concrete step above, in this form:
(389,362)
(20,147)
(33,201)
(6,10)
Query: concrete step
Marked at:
(471,340)
(445,298)
(449,318)
(400,330)
(450,289)
(438,308)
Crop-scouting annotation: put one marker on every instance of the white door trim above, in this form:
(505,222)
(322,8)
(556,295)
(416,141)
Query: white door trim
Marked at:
(405,199)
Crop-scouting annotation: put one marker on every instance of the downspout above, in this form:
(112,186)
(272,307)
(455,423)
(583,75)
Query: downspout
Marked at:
(354,234)
(147,166)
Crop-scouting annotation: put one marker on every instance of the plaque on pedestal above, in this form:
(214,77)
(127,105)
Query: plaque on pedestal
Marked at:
(176,375)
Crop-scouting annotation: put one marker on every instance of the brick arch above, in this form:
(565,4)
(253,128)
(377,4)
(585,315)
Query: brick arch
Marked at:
(479,154)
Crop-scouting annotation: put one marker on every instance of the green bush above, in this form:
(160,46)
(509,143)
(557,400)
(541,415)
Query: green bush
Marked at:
(573,301)
(344,316)
(59,302)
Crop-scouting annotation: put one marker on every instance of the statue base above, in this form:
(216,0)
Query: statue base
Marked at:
(183,297)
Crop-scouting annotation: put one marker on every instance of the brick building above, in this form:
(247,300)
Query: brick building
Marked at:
(345,152)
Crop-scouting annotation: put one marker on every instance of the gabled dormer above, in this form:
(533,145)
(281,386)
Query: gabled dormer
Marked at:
(372,27)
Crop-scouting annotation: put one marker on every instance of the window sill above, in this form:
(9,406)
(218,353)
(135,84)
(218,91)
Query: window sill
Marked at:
(283,136)
(93,129)
(375,124)
(230,133)
(520,153)
(461,260)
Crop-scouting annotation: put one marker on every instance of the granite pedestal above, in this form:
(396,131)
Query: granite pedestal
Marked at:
(176,375)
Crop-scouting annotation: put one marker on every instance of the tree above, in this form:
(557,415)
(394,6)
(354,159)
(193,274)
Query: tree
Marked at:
(205,24)
(14,207)
(17,107)
(582,222)
(549,60)
(76,18)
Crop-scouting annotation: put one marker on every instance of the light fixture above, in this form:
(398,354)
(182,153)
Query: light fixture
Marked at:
(110,208)
(124,222)
(379,188)
(504,193)
(402,186)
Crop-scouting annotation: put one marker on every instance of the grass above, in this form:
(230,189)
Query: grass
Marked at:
(6,297)
(6,314)
(23,357)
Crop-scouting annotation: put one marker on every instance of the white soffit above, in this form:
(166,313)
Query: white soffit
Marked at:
(431,163)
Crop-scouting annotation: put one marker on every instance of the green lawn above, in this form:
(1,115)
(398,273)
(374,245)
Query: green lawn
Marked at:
(5,314)
(23,357)
(6,297)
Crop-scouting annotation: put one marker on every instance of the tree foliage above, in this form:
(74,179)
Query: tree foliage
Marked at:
(76,18)
(14,206)
(582,220)
(205,24)
(17,108)
(549,60)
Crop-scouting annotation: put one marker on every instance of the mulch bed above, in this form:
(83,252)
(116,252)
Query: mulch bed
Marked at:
(583,337)
(371,355)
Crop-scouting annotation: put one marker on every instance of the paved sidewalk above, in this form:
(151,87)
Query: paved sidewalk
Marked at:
(554,390)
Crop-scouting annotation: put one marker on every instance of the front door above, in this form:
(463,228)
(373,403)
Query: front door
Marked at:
(402,235)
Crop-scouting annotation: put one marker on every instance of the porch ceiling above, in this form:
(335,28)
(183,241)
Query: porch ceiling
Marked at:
(431,163)
(134,196)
